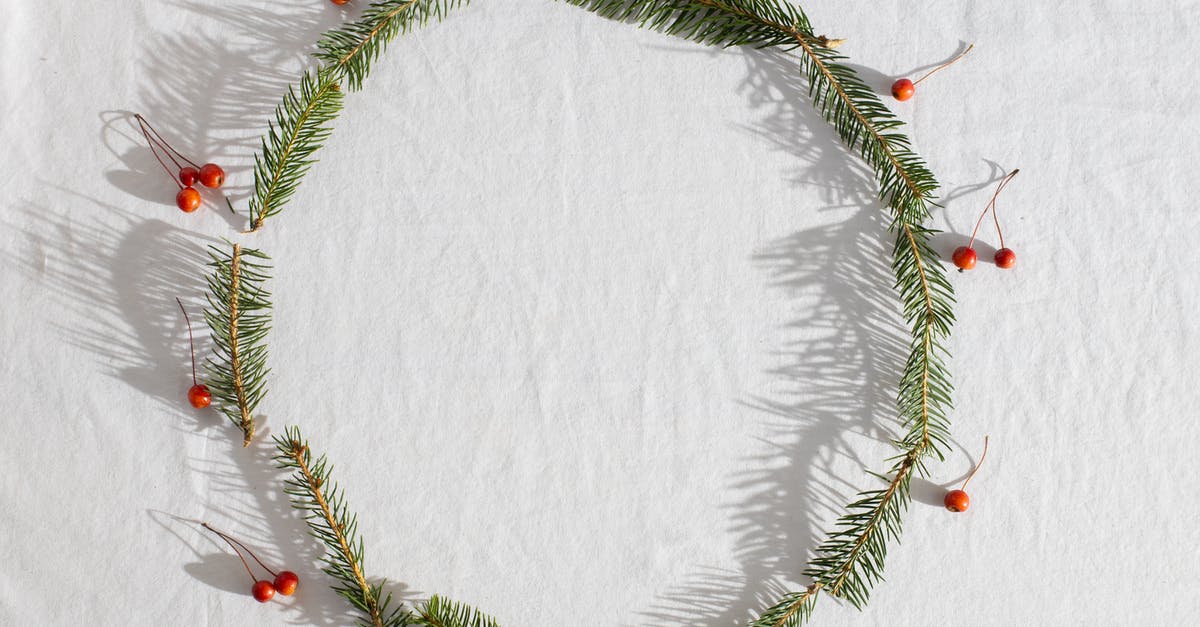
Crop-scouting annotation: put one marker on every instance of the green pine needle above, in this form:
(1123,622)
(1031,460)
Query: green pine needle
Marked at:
(239,316)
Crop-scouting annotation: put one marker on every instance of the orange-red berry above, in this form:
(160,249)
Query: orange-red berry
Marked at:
(188,176)
(339,2)
(1006,258)
(211,175)
(964,257)
(263,591)
(199,396)
(188,199)
(286,582)
(957,501)
(903,89)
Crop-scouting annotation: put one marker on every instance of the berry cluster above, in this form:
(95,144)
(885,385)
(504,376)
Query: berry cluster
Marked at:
(284,581)
(186,172)
(964,256)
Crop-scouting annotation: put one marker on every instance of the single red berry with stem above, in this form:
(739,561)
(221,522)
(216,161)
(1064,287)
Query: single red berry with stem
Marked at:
(904,88)
(188,176)
(957,500)
(211,175)
(263,591)
(188,199)
(964,256)
(286,582)
(198,395)
(1005,258)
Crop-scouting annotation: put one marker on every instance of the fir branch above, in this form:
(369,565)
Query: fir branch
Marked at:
(440,612)
(790,611)
(351,49)
(851,560)
(300,128)
(329,520)
(239,316)
(302,120)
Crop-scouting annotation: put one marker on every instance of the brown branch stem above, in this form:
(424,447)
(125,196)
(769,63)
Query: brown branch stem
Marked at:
(235,362)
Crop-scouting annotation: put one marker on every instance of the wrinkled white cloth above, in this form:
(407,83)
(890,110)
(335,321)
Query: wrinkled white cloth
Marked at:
(597,324)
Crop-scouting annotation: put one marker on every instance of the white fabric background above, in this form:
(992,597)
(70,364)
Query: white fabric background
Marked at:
(597,323)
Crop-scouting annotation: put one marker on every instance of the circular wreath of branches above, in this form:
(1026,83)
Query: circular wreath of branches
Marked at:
(851,559)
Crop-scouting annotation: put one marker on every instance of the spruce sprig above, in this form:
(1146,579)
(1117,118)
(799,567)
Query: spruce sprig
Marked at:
(441,612)
(300,128)
(302,120)
(351,49)
(851,559)
(239,317)
(332,523)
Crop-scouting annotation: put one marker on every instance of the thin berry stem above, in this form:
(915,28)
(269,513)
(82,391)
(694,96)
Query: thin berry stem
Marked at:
(142,121)
(992,205)
(191,340)
(976,468)
(231,540)
(944,65)
(154,151)
(253,579)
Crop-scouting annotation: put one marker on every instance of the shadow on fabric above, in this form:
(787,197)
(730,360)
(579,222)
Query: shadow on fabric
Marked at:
(836,364)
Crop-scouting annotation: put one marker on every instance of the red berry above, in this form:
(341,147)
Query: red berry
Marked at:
(263,591)
(1006,258)
(211,175)
(964,257)
(199,396)
(188,199)
(339,2)
(286,582)
(957,501)
(903,89)
(188,176)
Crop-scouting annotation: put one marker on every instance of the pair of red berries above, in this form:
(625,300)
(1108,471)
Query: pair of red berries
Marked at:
(284,582)
(198,395)
(957,500)
(904,88)
(187,174)
(964,257)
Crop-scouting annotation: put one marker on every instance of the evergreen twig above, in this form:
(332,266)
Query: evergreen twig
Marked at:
(352,48)
(302,120)
(850,561)
(441,612)
(330,521)
(300,128)
(239,316)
